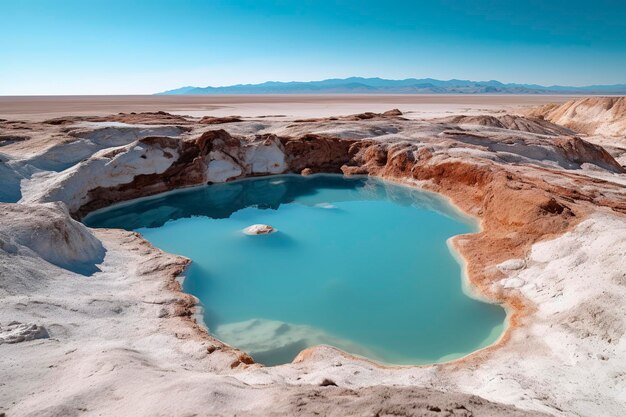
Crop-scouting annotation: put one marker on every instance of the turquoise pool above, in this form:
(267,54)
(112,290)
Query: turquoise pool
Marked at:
(357,263)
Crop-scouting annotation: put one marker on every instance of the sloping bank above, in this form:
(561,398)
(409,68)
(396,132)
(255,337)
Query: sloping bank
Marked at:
(517,206)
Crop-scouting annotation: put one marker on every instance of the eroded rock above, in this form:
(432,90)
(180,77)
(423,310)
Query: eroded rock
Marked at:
(211,120)
(222,167)
(264,155)
(16,332)
(589,115)
(510,122)
(50,233)
(519,203)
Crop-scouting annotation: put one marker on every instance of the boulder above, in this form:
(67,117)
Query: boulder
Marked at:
(259,229)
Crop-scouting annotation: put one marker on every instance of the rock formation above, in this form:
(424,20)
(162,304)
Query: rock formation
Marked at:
(16,332)
(389,114)
(551,244)
(209,120)
(51,234)
(146,118)
(591,115)
(510,122)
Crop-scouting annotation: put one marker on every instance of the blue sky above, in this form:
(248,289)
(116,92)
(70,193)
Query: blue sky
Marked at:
(116,47)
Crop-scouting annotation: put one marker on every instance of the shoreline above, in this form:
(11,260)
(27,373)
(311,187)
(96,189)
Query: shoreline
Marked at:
(473,292)
(516,307)
(134,319)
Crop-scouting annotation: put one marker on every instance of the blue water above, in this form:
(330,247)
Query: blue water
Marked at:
(357,263)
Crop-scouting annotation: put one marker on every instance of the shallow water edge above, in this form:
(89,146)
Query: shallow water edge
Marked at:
(429,199)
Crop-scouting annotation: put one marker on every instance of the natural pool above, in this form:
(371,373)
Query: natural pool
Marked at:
(357,263)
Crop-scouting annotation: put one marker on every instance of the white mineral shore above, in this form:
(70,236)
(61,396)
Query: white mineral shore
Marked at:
(116,344)
(259,229)
(92,321)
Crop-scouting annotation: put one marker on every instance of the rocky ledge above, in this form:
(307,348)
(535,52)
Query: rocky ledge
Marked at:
(121,335)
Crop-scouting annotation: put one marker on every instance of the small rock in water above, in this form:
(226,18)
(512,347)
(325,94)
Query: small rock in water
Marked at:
(259,229)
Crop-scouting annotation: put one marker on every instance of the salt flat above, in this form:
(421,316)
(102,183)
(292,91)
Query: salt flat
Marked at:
(42,107)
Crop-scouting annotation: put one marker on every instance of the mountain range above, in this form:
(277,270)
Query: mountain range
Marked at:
(359,85)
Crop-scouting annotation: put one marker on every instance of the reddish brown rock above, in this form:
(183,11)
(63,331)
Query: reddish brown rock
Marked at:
(392,113)
(389,114)
(580,151)
(210,120)
(317,153)
(144,118)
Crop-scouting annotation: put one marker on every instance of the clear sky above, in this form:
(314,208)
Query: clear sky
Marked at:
(141,46)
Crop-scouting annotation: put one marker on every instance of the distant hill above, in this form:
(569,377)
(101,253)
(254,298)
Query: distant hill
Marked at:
(359,85)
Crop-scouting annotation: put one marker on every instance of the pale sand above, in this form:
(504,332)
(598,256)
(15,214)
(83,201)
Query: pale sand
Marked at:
(44,107)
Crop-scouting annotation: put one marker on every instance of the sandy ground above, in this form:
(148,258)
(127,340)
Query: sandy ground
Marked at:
(40,108)
(119,341)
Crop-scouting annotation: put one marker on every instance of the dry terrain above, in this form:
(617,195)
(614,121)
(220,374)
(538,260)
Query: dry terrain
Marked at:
(279,106)
(93,322)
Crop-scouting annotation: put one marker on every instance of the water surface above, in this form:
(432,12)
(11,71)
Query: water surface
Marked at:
(357,263)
